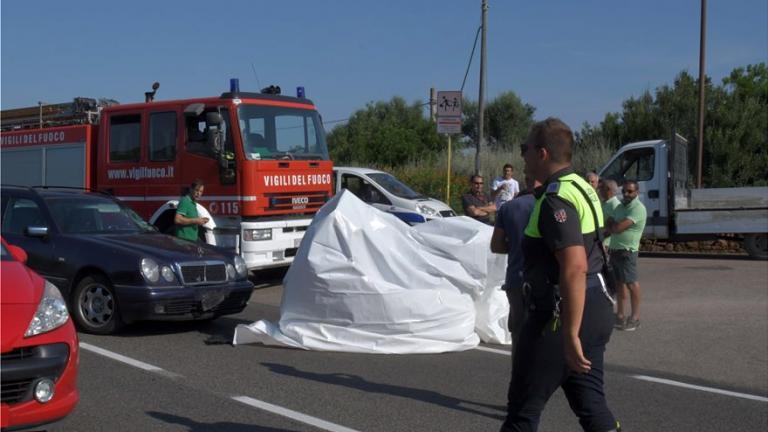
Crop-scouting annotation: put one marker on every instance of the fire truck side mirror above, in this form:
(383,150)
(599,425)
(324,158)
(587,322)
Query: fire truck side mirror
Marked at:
(213,121)
(214,137)
(213,118)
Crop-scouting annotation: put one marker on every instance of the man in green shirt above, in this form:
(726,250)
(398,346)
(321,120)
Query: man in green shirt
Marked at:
(607,189)
(187,220)
(626,228)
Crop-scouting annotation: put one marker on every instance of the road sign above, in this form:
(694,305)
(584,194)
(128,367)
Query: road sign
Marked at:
(449,125)
(449,112)
(449,104)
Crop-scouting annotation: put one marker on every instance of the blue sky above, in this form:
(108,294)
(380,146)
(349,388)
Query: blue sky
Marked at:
(573,59)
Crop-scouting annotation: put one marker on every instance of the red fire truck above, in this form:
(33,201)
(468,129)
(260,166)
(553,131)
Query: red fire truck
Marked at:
(262,156)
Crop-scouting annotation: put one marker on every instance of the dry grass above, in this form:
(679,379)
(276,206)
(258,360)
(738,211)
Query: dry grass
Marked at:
(428,176)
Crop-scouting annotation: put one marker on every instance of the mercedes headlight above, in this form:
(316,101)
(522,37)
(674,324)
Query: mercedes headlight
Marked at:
(167,273)
(231,274)
(150,269)
(240,267)
(51,312)
(426,210)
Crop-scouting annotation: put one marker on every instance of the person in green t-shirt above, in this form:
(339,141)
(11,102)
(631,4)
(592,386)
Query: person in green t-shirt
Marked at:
(626,227)
(607,189)
(187,220)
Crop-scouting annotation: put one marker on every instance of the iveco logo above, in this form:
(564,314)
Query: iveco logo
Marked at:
(299,200)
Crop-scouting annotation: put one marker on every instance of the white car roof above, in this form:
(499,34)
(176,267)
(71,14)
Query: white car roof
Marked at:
(359,170)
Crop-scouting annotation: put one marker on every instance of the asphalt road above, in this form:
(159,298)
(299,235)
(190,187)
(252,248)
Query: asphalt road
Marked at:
(698,363)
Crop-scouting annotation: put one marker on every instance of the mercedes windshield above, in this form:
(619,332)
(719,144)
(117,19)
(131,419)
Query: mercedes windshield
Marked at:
(95,215)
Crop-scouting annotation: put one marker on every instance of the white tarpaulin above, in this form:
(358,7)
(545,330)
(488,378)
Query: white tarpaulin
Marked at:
(363,281)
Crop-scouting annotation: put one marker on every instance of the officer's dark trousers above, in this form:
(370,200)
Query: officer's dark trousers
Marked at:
(539,368)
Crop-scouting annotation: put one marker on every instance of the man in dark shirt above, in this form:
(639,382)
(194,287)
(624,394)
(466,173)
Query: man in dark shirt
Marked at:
(570,319)
(476,203)
(507,238)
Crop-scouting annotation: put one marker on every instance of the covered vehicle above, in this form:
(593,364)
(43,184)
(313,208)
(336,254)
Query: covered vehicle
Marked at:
(39,361)
(385,192)
(114,268)
(365,282)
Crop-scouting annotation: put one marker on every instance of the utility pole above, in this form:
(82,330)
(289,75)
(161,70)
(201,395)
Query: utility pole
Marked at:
(481,104)
(702,78)
(433,104)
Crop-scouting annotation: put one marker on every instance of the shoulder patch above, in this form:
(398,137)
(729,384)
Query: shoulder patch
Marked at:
(553,188)
(560,215)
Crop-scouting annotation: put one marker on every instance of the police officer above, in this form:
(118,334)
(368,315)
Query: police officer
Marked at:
(570,315)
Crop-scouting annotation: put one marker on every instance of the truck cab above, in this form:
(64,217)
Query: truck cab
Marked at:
(646,163)
(262,158)
(679,212)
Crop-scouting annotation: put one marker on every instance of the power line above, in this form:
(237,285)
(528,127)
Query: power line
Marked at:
(469,64)
(346,119)
(470,58)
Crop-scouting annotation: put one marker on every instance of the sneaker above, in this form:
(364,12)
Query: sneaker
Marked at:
(619,323)
(631,325)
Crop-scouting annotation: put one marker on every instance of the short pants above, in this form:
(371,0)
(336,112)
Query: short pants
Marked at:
(624,265)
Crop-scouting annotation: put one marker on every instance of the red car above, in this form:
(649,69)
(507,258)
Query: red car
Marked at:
(38,369)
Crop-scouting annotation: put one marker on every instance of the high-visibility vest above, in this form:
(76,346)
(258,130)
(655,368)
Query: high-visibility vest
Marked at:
(564,188)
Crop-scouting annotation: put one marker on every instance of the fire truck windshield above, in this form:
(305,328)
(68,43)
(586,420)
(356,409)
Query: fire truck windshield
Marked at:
(270,132)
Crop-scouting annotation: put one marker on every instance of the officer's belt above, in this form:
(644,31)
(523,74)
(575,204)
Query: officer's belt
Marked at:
(545,296)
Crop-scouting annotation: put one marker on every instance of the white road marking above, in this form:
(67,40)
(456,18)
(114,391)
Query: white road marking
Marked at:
(127,360)
(660,381)
(295,415)
(702,388)
(275,409)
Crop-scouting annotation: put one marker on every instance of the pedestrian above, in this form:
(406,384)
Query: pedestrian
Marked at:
(507,237)
(504,187)
(187,219)
(593,179)
(476,203)
(570,314)
(626,226)
(608,189)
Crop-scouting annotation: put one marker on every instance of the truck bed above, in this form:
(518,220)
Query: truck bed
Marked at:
(724,210)
(728,198)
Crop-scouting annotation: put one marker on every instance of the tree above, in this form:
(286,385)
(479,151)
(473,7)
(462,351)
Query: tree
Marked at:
(736,138)
(389,133)
(507,120)
(735,128)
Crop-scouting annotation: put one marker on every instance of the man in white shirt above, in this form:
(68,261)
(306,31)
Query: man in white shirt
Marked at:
(504,188)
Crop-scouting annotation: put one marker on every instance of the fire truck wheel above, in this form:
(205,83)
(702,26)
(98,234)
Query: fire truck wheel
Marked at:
(95,306)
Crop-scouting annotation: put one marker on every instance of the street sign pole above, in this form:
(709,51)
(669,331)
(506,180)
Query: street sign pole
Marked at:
(449,122)
(448,185)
